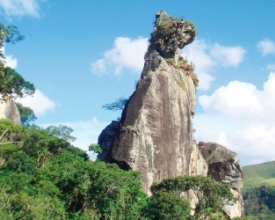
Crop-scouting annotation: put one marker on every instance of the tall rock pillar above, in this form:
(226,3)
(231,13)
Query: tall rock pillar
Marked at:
(155,132)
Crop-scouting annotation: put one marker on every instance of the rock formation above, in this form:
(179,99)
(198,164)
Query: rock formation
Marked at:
(105,139)
(9,110)
(155,134)
(223,166)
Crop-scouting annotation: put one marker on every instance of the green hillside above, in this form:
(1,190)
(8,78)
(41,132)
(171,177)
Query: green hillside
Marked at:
(259,174)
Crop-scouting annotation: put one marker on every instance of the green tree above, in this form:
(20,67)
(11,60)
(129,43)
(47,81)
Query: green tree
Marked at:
(27,115)
(45,177)
(12,83)
(117,105)
(211,195)
(62,132)
(9,34)
(95,148)
(163,205)
(259,202)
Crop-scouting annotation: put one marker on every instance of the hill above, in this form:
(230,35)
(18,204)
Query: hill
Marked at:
(258,174)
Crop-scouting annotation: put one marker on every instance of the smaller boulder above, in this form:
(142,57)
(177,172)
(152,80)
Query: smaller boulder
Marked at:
(9,110)
(105,140)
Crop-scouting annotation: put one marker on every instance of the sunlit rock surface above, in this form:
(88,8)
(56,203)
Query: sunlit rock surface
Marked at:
(155,134)
(224,167)
(8,110)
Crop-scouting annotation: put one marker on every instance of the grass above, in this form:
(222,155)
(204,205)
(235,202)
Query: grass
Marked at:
(181,84)
(259,174)
(270,182)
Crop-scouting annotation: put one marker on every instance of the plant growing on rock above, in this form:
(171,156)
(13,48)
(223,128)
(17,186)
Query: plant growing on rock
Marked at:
(211,195)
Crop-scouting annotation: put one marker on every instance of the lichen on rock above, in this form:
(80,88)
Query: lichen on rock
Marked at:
(171,34)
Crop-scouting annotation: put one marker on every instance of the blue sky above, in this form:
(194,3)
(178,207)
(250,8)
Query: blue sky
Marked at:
(83,54)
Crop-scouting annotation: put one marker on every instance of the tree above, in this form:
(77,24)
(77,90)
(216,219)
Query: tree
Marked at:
(165,205)
(9,34)
(259,202)
(95,148)
(27,115)
(12,83)
(62,132)
(117,105)
(211,195)
(47,178)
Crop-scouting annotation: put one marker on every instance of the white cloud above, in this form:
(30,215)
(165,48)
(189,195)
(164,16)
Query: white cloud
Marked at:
(10,61)
(196,52)
(207,57)
(39,103)
(240,117)
(266,46)
(127,53)
(243,100)
(238,99)
(227,56)
(20,7)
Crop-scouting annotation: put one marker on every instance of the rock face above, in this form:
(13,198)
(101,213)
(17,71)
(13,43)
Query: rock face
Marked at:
(8,110)
(224,167)
(155,134)
(105,139)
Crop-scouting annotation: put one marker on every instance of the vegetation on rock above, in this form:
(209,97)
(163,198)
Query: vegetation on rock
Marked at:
(117,105)
(171,33)
(212,195)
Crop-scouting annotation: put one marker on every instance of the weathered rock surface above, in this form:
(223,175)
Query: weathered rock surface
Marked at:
(8,110)
(223,164)
(105,139)
(224,167)
(155,132)
(154,135)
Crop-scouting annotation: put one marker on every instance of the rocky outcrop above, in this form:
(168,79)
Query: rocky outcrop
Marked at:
(9,110)
(105,139)
(223,164)
(155,134)
(224,167)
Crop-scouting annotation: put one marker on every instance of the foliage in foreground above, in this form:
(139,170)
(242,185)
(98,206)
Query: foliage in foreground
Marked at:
(42,176)
(212,195)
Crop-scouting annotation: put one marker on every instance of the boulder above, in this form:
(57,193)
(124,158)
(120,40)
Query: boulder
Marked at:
(223,166)
(9,110)
(105,140)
